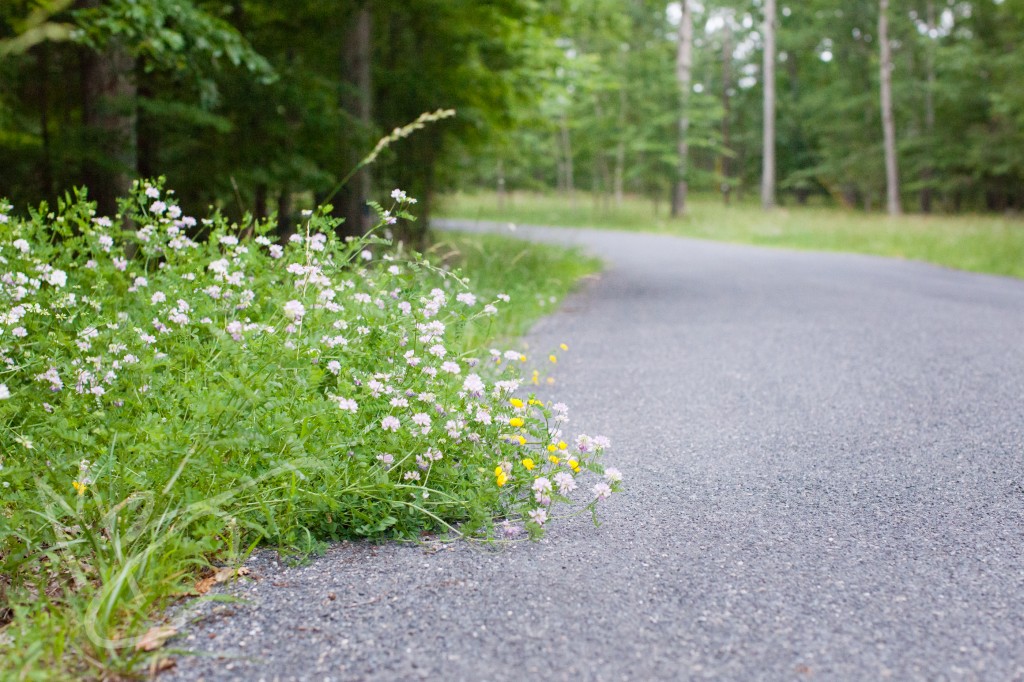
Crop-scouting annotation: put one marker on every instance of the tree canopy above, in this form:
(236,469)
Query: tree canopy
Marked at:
(258,106)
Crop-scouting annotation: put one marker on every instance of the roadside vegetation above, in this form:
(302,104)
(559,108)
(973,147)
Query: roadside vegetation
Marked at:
(177,391)
(977,242)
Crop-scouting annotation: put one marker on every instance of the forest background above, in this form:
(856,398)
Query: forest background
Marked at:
(262,106)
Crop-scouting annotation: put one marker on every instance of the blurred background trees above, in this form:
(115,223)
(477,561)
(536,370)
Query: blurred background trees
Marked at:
(261,106)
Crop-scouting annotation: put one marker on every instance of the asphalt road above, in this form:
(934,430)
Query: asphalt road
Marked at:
(824,461)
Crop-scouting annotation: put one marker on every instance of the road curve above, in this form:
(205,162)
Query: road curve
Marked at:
(824,460)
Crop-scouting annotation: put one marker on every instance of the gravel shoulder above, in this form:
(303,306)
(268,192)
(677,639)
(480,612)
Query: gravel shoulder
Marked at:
(824,460)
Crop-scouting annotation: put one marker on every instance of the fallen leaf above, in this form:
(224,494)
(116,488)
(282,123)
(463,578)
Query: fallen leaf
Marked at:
(159,665)
(219,576)
(155,637)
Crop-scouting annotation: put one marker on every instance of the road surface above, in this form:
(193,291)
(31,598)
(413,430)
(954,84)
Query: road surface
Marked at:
(824,461)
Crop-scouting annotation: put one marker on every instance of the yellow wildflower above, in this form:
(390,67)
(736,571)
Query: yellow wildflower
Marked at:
(550,380)
(563,346)
(574,465)
(501,478)
(522,358)
(516,402)
(536,402)
(554,460)
(522,441)
(516,421)
(528,463)
(553,359)
(551,447)
(562,445)
(79,487)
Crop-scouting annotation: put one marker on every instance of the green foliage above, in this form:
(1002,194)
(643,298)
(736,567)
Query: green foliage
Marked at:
(564,94)
(167,403)
(37,28)
(174,35)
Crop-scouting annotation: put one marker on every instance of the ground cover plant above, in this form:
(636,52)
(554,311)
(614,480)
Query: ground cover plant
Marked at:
(980,243)
(174,391)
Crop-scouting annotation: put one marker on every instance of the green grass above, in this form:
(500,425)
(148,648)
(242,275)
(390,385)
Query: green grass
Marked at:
(536,276)
(82,576)
(980,243)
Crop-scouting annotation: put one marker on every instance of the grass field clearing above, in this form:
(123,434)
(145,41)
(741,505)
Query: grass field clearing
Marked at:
(981,243)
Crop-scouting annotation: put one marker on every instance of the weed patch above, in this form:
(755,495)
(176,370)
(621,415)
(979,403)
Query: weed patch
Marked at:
(174,391)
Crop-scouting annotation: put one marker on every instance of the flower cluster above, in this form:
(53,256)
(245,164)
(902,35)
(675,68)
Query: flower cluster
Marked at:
(161,358)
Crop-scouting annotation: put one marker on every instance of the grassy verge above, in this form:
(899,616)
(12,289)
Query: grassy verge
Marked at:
(981,243)
(536,277)
(168,404)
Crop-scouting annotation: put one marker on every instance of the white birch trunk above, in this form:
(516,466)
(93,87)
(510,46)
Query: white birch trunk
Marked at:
(768,155)
(929,107)
(684,75)
(892,181)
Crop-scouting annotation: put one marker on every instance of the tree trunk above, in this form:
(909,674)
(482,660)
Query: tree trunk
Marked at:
(606,183)
(284,214)
(618,175)
(501,184)
(148,135)
(726,106)
(618,179)
(109,114)
(602,173)
(358,102)
(417,232)
(566,144)
(684,75)
(46,169)
(260,201)
(892,182)
(560,164)
(929,109)
(768,154)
